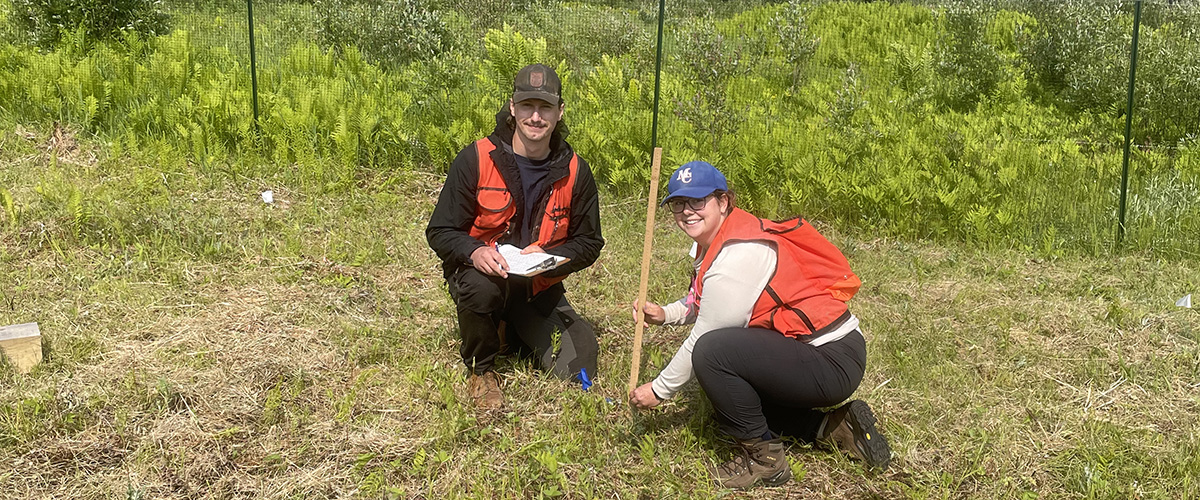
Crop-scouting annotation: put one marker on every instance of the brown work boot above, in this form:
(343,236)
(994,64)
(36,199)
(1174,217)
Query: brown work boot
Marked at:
(485,390)
(852,429)
(756,460)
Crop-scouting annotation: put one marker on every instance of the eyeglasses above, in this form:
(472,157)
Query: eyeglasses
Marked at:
(694,204)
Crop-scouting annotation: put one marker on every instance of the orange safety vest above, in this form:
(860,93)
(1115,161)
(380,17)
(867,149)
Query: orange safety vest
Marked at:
(806,297)
(494,208)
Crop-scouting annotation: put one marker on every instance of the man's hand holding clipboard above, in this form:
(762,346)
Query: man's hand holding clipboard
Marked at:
(529,262)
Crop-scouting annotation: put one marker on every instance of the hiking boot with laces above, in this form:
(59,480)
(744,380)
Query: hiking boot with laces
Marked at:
(756,460)
(852,429)
(485,391)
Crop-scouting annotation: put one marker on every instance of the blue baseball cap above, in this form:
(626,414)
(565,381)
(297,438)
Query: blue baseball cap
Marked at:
(695,179)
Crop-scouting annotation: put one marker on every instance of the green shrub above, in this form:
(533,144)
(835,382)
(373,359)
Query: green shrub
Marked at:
(1079,55)
(709,59)
(489,14)
(1079,52)
(6,25)
(387,32)
(796,39)
(44,22)
(968,66)
(1168,85)
(583,33)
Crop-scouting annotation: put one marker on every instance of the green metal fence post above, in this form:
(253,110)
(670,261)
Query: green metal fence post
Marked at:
(253,62)
(657,71)
(1137,23)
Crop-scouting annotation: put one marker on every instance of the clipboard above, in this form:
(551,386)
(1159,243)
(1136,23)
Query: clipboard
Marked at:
(530,264)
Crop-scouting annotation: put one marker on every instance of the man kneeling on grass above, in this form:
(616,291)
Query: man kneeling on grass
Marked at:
(522,185)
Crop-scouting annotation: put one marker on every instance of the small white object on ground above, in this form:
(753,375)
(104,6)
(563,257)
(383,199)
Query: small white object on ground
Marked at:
(268,196)
(1185,301)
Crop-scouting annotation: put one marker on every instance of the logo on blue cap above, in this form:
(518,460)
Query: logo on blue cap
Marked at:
(695,179)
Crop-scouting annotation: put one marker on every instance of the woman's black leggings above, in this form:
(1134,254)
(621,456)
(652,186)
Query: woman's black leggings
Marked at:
(758,379)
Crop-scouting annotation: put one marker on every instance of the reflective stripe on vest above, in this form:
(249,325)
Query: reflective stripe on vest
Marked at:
(495,208)
(806,297)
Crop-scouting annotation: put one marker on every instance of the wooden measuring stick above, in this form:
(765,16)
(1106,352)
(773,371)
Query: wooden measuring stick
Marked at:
(640,315)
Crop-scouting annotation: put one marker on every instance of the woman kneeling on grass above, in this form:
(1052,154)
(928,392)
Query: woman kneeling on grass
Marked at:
(774,339)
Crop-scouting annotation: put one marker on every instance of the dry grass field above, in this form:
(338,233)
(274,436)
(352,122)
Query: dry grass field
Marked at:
(201,343)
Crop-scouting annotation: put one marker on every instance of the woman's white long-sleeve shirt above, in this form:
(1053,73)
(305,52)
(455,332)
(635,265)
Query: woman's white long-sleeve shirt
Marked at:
(732,285)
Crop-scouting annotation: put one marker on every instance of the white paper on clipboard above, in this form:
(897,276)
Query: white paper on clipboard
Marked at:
(529,264)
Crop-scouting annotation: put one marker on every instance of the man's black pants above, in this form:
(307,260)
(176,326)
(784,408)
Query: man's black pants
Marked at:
(758,379)
(545,324)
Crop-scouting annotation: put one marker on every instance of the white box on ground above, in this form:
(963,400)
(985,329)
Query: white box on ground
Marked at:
(22,344)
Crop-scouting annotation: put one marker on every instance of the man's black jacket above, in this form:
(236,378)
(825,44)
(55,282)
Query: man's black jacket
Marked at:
(448,227)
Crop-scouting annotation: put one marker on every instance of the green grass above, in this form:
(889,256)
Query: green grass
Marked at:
(202,343)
